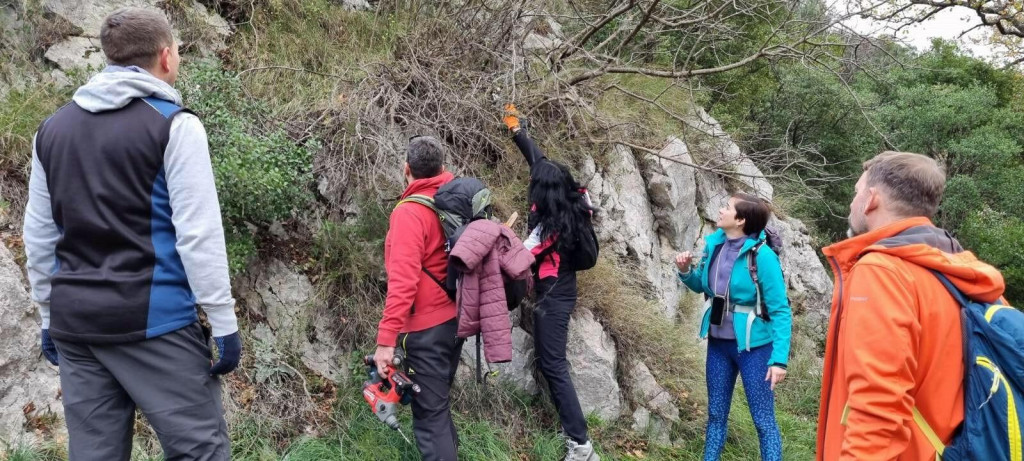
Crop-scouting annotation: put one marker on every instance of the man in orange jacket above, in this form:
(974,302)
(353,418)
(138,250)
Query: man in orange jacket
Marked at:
(418,314)
(894,340)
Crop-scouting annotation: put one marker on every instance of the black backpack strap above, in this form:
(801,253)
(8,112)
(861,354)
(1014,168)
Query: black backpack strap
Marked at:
(752,261)
(439,282)
(479,364)
(760,310)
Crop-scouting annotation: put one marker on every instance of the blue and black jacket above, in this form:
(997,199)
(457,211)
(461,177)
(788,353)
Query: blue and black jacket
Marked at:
(122,231)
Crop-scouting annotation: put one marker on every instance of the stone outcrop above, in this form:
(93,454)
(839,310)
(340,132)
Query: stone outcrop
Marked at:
(519,373)
(287,300)
(592,361)
(656,409)
(654,206)
(543,33)
(29,386)
(85,17)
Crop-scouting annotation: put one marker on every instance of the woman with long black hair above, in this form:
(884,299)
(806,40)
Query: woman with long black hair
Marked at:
(559,223)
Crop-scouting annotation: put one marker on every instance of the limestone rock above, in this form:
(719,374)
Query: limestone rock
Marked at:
(723,154)
(809,285)
(28,382)
(647,392)
(81,52)
(712,195)
(592,360)
(544,33)
(657,429)
(656,410)
(215,24)
(86,16)
(518,372)
(672,188)
(356,5)
(323,354)
(284,297)
(296,321)
(626,221)
(625,217)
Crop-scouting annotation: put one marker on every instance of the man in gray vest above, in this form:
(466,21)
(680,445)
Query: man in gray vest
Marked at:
(124,240)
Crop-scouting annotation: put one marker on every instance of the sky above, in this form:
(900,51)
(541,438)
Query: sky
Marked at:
(948,24)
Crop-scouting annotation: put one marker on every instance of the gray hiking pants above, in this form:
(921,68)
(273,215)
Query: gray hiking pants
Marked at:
(167,377)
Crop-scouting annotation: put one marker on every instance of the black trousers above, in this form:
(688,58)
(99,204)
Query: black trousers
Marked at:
(167,378)
(433,356)
(556,299)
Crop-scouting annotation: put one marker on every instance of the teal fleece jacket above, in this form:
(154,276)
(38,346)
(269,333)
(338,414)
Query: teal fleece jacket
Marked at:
(742,291)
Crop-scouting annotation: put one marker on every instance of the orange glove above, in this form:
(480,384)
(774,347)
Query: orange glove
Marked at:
(511,117)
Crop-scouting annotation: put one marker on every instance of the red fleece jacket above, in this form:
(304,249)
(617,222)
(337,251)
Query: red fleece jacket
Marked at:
(415,241)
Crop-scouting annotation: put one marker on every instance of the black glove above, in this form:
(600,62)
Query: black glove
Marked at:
(229,348)
(49,349)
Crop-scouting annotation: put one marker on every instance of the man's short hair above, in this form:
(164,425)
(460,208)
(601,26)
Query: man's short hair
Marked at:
(135,37)
(913,182)
(425,156)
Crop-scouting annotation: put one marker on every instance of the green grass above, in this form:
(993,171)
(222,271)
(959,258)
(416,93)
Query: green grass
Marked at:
(33,451)
(317,46)
(21,112)
(639,119)
(317,51)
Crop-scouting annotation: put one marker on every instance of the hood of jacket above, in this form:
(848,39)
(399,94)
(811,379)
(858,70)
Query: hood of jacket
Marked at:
(918,241)
(428,186)
(116,86)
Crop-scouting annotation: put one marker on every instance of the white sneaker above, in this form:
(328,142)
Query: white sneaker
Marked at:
(577,452)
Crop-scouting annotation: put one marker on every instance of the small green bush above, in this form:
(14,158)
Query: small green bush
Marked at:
(262,175)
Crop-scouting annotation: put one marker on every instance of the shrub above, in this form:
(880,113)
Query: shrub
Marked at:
(262,175)
(995,238)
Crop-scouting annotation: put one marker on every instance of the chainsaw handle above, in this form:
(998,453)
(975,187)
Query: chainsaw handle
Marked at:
(396,362)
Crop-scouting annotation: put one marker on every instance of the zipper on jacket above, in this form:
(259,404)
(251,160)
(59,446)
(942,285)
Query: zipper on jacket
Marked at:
(835,352)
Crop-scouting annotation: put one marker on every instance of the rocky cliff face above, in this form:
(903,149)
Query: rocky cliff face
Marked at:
(652,206)
(28,384)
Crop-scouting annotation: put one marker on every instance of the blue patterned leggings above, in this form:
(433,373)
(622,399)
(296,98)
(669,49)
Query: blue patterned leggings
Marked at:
(724,362)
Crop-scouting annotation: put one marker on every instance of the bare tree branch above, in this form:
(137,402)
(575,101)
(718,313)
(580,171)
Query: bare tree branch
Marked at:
(1005,15)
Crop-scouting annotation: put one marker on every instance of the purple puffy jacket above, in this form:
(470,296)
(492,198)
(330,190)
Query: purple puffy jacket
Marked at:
(485,253)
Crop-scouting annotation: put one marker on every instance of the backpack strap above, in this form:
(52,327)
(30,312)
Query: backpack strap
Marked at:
(429,203)
(752,267)
(421,199)
(929,434)
(922,424)
(479,364)
(435,279)
(752,261)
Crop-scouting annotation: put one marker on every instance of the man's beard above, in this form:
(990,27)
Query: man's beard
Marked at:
(852,231)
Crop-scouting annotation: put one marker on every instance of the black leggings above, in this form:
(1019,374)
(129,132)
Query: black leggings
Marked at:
(556,299)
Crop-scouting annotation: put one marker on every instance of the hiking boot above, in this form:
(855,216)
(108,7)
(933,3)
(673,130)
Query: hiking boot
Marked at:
(577,452)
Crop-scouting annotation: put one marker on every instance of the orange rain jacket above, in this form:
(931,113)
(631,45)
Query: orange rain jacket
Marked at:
(894,341)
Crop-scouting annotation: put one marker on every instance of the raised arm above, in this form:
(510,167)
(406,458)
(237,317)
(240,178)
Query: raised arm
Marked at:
(523,141)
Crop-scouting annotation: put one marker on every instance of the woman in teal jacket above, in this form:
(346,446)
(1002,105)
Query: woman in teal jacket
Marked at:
(747,323)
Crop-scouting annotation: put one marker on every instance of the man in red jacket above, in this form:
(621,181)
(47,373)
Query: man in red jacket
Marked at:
(418,314)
